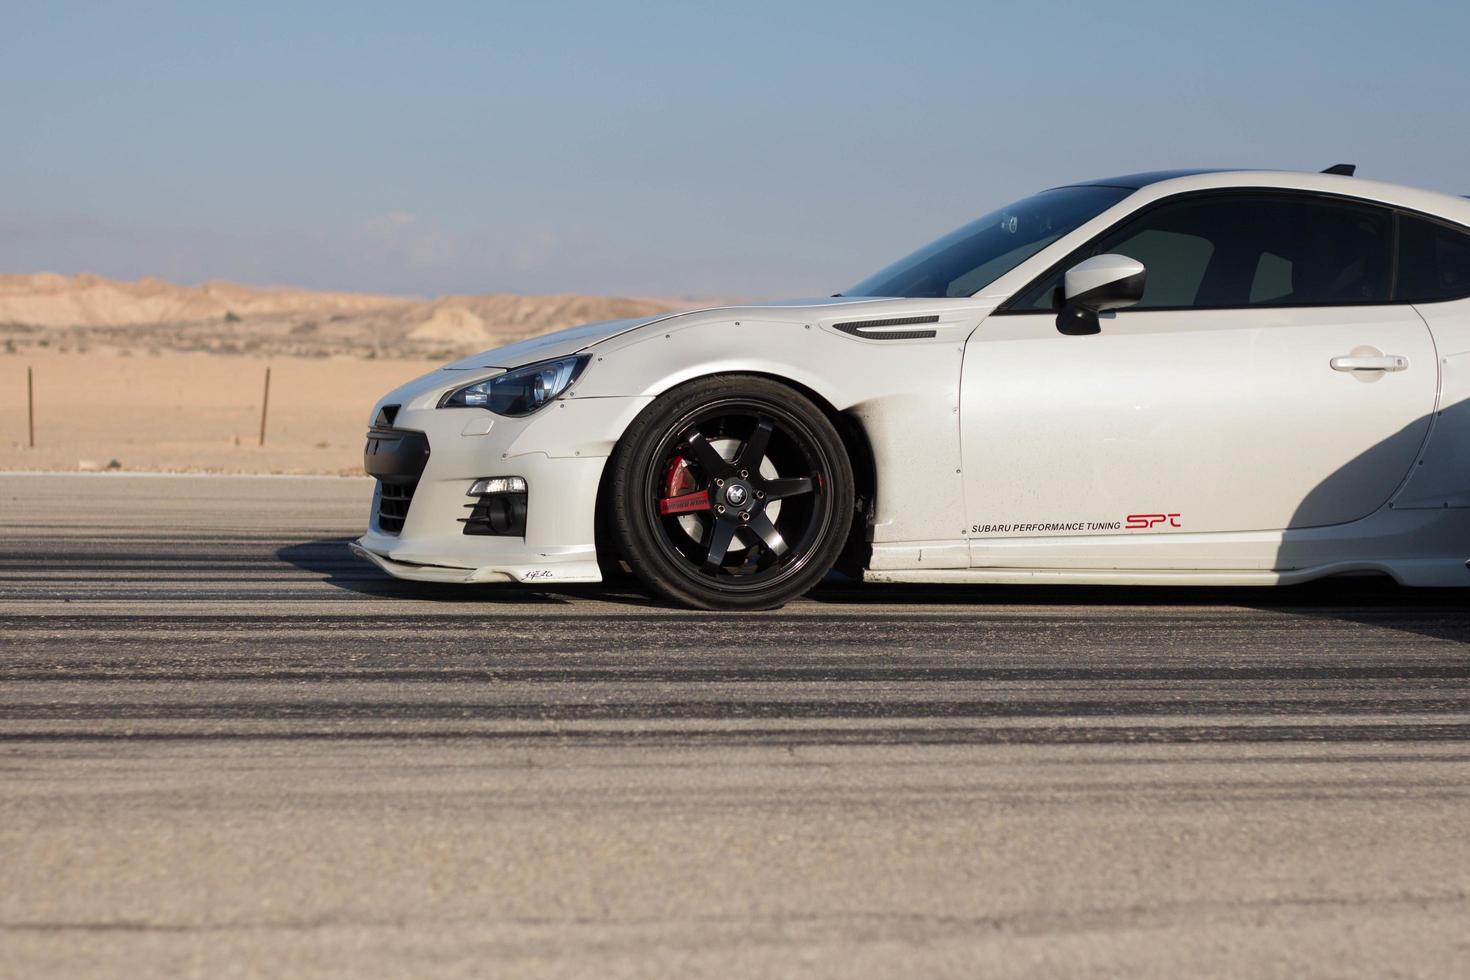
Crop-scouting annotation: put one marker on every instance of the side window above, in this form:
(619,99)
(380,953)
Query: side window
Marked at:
(1434,261)
(1272,282)
(1247,250)
(1176,262)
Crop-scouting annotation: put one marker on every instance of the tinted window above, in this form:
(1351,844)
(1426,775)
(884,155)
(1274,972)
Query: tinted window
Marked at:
(1434,261)
(1248,251)
(1273,280)
(966,261)
(1181,259)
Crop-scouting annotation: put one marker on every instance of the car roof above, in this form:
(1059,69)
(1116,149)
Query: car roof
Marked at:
(1134,182)
(1156,184)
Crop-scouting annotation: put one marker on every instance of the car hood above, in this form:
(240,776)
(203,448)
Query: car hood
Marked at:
(574,339)
(424,392)
(547,346)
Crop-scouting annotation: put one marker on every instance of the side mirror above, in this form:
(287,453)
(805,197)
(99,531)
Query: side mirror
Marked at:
(1095,285)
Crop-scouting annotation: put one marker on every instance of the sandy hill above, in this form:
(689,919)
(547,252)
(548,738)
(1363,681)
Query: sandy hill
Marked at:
(77,312)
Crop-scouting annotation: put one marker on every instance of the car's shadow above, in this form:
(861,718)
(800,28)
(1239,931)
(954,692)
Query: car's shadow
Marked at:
(1370,601)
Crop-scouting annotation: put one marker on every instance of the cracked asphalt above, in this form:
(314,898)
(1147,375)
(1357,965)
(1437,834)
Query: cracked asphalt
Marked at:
(227,748)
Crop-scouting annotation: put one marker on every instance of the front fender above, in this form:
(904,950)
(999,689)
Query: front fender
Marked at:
(904,392)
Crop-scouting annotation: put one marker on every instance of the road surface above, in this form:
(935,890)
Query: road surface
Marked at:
(229,748)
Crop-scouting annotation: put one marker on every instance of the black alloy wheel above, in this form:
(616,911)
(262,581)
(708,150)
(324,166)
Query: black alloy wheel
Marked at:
(731,493)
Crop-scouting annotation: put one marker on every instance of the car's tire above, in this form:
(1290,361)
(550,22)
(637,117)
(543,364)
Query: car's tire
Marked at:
(732,492)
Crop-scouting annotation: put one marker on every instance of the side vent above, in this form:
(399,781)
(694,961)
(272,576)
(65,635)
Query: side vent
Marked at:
(386,415)
(891,329)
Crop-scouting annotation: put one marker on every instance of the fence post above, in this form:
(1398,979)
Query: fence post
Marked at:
(265,402)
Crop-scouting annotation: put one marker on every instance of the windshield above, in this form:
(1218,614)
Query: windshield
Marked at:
(971,258)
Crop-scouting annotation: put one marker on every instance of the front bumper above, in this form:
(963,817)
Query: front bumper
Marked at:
(560,452)
(563,571)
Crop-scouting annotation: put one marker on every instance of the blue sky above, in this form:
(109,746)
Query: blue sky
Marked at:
(680,148)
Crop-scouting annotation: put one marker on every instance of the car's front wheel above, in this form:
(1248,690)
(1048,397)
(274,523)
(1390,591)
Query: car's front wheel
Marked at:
(731,493)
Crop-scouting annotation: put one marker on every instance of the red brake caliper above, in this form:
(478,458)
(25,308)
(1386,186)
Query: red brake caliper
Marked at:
(680,495)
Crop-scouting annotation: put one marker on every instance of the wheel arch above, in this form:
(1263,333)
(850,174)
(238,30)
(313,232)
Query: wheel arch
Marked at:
(855,442)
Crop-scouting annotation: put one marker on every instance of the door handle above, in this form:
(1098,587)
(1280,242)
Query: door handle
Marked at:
(1362,362)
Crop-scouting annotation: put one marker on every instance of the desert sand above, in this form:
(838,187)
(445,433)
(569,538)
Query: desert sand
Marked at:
(192,412)
(151,376)
(50,312)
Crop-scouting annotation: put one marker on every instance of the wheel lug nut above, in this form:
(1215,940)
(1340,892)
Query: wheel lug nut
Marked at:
(744,516)
(719,508)
(744,474)
(760,495)
(719,483)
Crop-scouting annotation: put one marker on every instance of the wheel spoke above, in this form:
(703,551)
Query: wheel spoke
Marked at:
(790,487)
(720,536)
(761,525)
(685,503)
(752,558)
(708,458)
(754,450)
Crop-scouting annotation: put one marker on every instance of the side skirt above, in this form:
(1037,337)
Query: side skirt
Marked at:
(1437,573)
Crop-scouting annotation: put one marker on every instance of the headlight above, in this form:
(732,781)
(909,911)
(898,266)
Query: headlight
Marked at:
(519,392)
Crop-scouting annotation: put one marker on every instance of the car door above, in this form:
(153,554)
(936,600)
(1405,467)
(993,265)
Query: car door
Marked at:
(1263,383)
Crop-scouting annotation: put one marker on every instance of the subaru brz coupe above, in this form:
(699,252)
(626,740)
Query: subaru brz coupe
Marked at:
(1204,377)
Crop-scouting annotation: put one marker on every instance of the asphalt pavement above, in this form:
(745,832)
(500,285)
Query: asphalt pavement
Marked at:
(229,748)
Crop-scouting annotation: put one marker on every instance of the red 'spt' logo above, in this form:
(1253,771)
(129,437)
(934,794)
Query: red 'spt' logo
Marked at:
(1143,522)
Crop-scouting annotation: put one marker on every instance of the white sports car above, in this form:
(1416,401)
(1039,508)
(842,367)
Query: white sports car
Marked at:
(1167,378)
